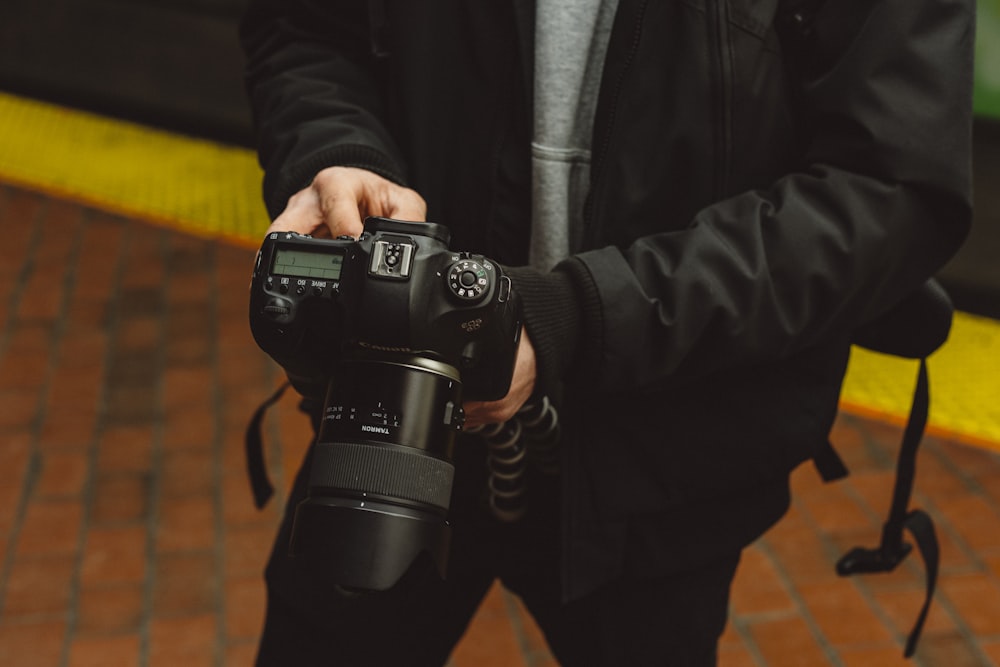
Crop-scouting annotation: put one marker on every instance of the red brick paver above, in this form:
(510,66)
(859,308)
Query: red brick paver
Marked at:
(128,535)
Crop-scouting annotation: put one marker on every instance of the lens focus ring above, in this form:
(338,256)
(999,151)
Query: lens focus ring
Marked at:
(393,474)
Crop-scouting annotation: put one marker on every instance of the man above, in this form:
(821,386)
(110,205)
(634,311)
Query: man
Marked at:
(698,202)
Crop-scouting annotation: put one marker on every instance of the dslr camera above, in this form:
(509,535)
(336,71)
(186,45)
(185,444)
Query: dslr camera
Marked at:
(394,330)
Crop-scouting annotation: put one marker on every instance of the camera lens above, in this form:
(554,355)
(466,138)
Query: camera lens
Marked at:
(381,471)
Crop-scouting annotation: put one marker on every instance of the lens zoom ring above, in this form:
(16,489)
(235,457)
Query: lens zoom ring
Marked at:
(383,471)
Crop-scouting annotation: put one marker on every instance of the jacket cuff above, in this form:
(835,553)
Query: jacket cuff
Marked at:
(561,313)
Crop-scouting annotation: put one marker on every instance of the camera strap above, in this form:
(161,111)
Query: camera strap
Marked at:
(260,481)
(892,550)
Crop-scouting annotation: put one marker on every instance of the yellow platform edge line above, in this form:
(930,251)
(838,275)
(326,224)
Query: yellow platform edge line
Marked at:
(964,377)
(933,429)
(212,191)
(158,175)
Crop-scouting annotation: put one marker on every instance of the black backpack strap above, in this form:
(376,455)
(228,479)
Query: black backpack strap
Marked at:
(829,464)
(260,482)
(921,526)
(891,552)
(913,328)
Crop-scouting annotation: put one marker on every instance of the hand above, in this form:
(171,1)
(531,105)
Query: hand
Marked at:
(340,198)
(522,385)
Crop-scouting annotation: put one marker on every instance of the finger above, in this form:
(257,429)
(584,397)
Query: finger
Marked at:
(479,413)
(406,204)
(300,215)
(342,215)
(521,387)
(340,194)
(496,412)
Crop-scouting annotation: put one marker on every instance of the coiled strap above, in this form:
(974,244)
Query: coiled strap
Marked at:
(532,433)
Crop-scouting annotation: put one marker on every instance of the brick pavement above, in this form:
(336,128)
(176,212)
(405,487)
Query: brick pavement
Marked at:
(128,536)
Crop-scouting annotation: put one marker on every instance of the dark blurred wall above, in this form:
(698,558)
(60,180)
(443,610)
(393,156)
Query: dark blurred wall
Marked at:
(173,63)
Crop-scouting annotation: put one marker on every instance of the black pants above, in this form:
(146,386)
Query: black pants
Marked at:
(674,620)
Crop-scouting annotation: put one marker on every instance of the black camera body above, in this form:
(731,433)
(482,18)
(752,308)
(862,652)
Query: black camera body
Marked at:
(394,329)
(397,289)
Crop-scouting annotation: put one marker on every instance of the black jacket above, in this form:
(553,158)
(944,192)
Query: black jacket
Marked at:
(767,178)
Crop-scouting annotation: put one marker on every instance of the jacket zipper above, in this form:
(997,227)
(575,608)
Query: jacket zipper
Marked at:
(599,153)
(721,56)
(591,233)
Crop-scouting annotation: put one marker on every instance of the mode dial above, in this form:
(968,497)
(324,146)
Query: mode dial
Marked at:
(470,280)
